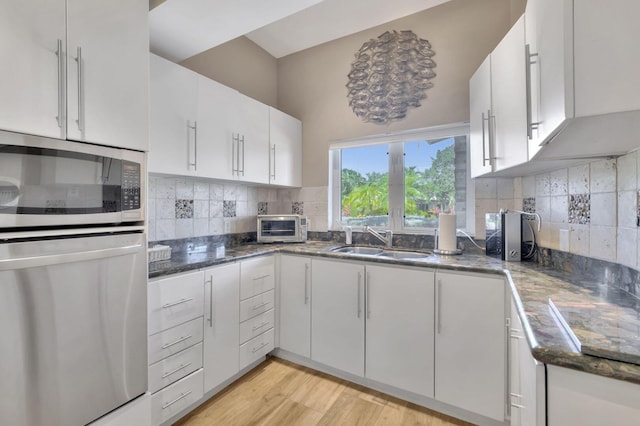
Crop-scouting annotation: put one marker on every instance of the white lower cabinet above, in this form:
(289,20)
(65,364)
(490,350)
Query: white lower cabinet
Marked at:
(221,319)
(171,369)
(399,328)
(337,315)
(470,347)
(295,305)
(578,398)
(173,399)
(256,348)
(527,379)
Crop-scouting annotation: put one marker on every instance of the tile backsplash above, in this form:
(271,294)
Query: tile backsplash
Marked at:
(597,204)
(186,208)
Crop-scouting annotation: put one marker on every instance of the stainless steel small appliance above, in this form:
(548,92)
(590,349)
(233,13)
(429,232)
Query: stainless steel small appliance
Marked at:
(282,228)
(507,235)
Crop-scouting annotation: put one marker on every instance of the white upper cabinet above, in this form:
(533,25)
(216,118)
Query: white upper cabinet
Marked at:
(216,149)
(584,77)
(251,127)
(285,144)
(108,72)
(32,42)
(498,106)
(104,97)
(173,114)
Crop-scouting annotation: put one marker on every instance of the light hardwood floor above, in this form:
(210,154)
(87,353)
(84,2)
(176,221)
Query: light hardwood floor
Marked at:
(281,393)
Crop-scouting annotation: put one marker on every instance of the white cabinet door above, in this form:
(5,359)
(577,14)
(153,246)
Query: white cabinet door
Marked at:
(337,315)
(256,276)
(400,328)
(578,398)
(470,363)
(32,42)
(295,305)
(480,111)
(508,99)
(252,124)
(216,113)
(108,72)
(527,378)
(173,114)
(221,324)
(553,44)
(285,139)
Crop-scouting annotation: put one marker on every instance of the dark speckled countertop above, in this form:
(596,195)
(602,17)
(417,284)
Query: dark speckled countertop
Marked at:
(600,315)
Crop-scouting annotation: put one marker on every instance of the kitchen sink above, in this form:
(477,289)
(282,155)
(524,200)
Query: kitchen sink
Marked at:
(375,251)
(399,254)
(371,251)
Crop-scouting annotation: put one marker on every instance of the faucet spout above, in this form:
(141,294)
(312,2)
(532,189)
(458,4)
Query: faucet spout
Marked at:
(387,239)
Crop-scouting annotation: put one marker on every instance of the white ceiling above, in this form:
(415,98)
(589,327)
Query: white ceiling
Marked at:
(330,20)
(180,29)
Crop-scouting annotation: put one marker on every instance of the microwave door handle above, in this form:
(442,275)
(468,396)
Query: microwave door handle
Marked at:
(54,259)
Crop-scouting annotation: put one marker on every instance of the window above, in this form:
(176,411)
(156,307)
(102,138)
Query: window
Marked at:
(402,184)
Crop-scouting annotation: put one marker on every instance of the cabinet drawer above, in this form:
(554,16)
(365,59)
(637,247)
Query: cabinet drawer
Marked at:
(175,398)
(175,300)
(256,348)
(256,276)
(256,325)
(256,305)
(175,367)
(174,340)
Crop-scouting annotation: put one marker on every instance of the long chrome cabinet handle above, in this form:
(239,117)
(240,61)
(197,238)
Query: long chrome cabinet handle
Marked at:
(273,149)
(59,54)
(179,302)
(182,395)
(306,283)
(193,127)
(210,282)
(259,347)
(367,294)
(358,295)
(175,342)
(484,142)
(439,305)
(80,120)
(234,160)
(491,137)
(531,126)
(181,367)
(241,141)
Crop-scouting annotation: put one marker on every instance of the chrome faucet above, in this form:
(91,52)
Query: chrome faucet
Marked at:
(388,235)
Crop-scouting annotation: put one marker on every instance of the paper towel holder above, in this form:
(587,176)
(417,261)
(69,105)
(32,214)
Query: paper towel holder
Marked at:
(436,250)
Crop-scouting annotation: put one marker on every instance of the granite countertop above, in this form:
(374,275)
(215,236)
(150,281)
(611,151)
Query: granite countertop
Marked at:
(600,316)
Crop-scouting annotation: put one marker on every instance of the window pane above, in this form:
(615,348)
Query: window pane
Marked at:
(365,186)
(429,181)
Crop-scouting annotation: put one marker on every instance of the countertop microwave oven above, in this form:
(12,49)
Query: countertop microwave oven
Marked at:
(282,228)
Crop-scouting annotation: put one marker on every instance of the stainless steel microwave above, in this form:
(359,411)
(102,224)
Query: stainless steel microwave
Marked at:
(50,182)
(282,228)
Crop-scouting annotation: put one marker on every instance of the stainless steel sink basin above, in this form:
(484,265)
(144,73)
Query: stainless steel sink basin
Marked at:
(399,254)
(371,251)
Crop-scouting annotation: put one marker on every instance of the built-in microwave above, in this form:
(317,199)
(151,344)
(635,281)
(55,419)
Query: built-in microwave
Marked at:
(49,182)
(282,228)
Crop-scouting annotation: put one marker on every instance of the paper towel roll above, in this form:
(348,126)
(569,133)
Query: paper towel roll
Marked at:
(447,232)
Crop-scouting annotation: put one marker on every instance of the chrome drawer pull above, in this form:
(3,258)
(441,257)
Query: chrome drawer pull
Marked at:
(259,306)
(259,347)
(179,302)
(180,340)
(182,367)
(256,327)
(182,395)
(261,277)
(517,405)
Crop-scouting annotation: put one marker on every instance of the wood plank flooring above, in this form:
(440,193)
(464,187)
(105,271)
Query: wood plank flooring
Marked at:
(281,393)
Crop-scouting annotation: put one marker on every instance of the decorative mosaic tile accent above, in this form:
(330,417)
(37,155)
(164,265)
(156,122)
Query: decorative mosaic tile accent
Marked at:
(263,207)
(228,208)
(184,209)
(529,204)
(580,208)
(297,207)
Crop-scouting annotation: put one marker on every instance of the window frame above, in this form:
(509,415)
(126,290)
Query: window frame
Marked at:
(395,142)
